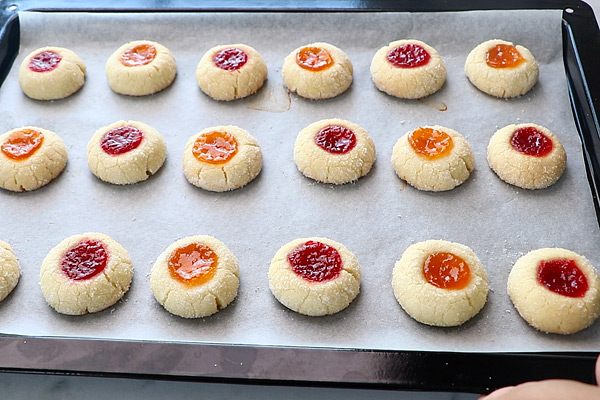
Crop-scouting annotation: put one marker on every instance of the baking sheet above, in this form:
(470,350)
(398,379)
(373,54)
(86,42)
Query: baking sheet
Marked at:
(377,217)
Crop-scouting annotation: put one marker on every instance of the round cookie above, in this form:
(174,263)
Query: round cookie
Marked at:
(140,68)
(408,69)
(334,151)
(440,283)
(433,158)
(85,273)
(51,73)
(317,71)
(195,277)
(501,69)
(126,152)
(30,157)
(221,158)
(230,72)
(527,155)
(555,290)
(9,270)
(314,276)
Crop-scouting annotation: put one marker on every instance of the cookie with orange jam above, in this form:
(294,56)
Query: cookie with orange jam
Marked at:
(555,290)
(51,73)
(440,283)
(126,152)
(334,151)
(140,68)
(433,158)
(501,69)
(222,158)
(408,69)
(195,277)
(30,157)
(314,276)
(231,72)
(85,273)
(528,155)
(317,71)
(10,272)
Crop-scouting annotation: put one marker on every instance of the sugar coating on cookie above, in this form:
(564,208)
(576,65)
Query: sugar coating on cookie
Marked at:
(433,158)
(555,290)
(334,151)
(314,276)
(230,72)
(140,68)
(501,69)
(527,155)
(195,277)
(126,152)
(408,69)
(30,157)
(440,283)
(222,158)
(10,272)
(51,73)
(85,273)
(317,71)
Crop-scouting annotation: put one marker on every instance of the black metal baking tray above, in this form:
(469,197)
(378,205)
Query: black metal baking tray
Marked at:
(414,370)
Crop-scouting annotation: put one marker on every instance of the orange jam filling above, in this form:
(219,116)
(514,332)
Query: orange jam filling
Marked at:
(503,56)
(193,264)
(314,58)
(22,144)
(216,147)
(446,271)
(430,143)
(138,55)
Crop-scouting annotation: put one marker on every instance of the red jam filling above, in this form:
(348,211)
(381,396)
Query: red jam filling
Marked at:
(193,264)
(121,140)
(44,61)
(430,143)
(408,56)
(563,277)
(503,56)
(314,58)
(531,142)
(215,147)
(84,260)
(230,59)
(22,144)
(446,271)
(336,139)
(316,261)
(138,55)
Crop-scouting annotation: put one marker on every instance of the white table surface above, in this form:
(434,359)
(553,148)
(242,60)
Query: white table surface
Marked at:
(49,387)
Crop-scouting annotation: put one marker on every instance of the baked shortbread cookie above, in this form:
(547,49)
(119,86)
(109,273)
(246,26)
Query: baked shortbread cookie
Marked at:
(527,155)
(230,72)
(140,68)
(222,158)
(30,157)
(501,69)
(51,73)
(126,152)
(408,69)
(433,158)
(85,273)
(334,151)
(555,290)
(10,272)
(195,277)
(440,283)
(314,276)
(317,71)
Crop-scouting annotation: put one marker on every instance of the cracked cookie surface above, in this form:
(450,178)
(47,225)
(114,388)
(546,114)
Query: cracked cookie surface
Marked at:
(10,272)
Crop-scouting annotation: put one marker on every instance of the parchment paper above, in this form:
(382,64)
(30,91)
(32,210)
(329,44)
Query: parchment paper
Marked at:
(377,217)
